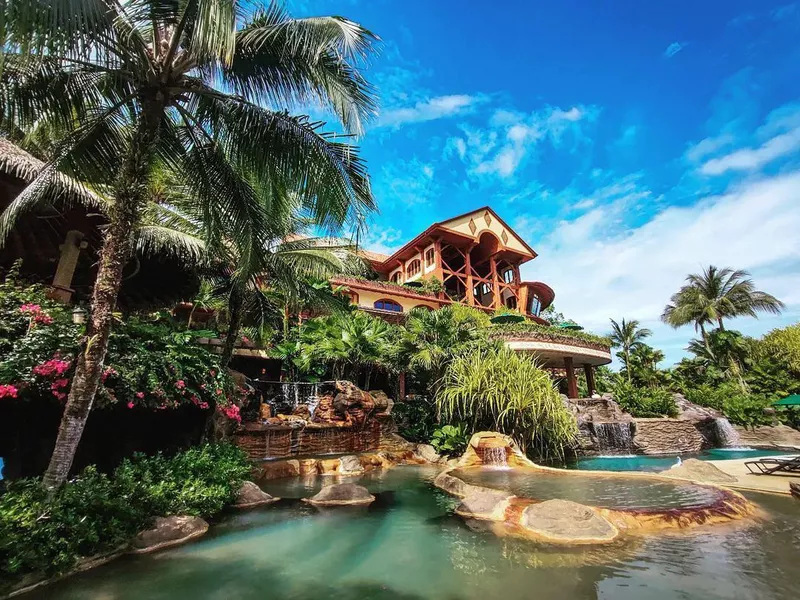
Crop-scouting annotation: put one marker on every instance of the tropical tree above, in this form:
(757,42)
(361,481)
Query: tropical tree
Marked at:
(497,388)
(432,338)
(716,294)
(184,84)
(727,351)
(643,365)
(627,335)
(354,345)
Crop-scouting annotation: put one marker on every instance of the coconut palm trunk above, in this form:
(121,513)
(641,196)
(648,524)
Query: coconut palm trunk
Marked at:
(117,249)
(235,318)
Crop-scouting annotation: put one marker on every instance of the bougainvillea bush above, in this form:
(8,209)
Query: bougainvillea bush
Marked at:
(151,364)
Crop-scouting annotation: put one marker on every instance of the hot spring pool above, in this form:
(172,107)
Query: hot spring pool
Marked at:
(605,492)
(408,546)
(661,462)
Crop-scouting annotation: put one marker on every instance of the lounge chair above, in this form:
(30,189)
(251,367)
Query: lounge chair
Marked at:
(771,466)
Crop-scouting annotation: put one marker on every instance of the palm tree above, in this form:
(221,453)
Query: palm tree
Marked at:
(717,294)
(628,335)
(432,338)
(181,83)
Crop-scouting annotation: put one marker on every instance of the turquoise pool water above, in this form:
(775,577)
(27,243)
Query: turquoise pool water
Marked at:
(409,546)
(605,492)
(661,462)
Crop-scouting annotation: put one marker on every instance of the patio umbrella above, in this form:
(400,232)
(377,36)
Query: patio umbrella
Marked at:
(793,400)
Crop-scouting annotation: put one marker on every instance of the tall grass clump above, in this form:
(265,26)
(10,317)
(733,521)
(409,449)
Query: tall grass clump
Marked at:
(496,388)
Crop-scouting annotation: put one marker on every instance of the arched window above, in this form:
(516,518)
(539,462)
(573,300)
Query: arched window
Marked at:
(430,255)
(413,268)
(386,304)
(397,276)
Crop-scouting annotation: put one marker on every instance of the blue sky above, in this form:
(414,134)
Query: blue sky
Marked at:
(630,142)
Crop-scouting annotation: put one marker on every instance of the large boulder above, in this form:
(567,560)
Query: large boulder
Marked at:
(427,453)
(383,404)
(484,503)
(354,403)
(698,470)
(350,465)
(566,522)
(341,494)
(169,531)
(250,495)
(689,411)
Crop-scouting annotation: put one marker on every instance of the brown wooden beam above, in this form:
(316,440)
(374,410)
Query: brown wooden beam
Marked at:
(589,371)
(572,381)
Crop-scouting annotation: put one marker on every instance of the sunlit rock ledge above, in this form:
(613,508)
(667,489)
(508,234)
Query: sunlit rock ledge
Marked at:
(563,521)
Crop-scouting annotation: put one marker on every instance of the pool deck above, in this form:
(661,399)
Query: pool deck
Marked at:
(774,484)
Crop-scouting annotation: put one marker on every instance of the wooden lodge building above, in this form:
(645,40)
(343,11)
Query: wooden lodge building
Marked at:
(477,258)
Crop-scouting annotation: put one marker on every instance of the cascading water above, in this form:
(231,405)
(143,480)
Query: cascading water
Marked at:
(614,437)
(727,436)
(494,457)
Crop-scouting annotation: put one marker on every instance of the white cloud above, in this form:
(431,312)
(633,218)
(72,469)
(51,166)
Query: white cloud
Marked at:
(385,240)
(673,49)
(748,159)
(439,107)
(600,270)
(708,146)
(406,182)
(511,136)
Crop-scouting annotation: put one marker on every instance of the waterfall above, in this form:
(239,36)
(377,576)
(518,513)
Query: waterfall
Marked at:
(727,436)
(614,437)
(494,457)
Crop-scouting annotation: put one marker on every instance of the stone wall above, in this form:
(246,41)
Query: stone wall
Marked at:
(667,436)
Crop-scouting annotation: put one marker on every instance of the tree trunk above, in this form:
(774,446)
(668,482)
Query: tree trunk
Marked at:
(704,335)
(235,317)
(719,322)
(129,193)
(628,363)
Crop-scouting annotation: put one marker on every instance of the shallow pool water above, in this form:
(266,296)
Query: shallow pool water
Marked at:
(661,462)
(408,546)
(630,492)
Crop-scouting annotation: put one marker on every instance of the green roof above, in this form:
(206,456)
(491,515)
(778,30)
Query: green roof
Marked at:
(793,400)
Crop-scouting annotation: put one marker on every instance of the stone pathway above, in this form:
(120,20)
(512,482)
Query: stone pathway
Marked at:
(776,484)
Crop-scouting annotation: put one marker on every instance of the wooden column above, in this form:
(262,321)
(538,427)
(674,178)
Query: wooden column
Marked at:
(401,381)
(470,283)
(70,251)
(497,303)
(572,382)
(589,371)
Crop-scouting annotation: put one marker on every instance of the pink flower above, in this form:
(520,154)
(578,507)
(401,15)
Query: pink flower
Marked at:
(140,395)
(31,309)
(59,383)
(108,373)
(245,339)
(204,405)
(195,399)
(130,404)
(219,392)
(53,367)
(161,407)
(8,391)
(180,384)
(43,319)
(232,412)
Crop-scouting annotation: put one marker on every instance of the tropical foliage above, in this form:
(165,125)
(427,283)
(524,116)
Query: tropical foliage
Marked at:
(627,335)
(143,85)
(645,401)
(150,364)
(450,440)
(498,389)
(94,513)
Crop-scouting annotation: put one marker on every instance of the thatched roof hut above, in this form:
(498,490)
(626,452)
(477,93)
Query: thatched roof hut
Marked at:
(75,215)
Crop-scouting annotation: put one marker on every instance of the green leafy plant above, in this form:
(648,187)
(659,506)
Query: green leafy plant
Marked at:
(645,401)
(529,329)
(740,407)
(416,419)
(450,440)
(95,513)
(496,388)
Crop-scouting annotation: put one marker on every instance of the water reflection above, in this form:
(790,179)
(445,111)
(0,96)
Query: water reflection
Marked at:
(408,546)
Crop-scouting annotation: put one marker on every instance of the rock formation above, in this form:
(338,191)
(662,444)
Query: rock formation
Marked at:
(341,494)
(250,496)
(169,531)
(699,470)
(566,522)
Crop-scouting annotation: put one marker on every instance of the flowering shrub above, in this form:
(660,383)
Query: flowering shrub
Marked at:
(149,364)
